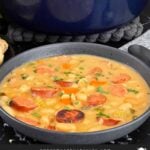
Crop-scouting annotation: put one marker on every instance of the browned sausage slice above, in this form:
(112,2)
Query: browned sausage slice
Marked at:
(69,116)
(43,92)
(22,103)
(118,90)
(121,78)
(96,99)
(95,70)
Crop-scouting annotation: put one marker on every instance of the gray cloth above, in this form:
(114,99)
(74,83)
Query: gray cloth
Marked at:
(127,32)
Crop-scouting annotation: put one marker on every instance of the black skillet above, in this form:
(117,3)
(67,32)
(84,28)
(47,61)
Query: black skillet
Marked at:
(78,48)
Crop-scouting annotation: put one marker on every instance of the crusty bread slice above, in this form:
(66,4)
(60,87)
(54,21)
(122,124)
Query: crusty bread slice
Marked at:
(3,48)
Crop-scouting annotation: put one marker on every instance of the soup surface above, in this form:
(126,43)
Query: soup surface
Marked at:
(74,93)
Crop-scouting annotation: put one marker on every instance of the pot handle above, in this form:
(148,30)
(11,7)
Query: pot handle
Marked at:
(140,52)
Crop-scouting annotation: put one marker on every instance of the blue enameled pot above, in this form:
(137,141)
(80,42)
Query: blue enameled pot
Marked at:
(71,16)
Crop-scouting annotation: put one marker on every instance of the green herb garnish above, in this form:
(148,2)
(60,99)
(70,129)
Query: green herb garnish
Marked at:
(133,91)
(2,94)
(31,64)
(76,103)
(37,115)
(99,109)
(101,90)
(85,107)
(81,68)
(132,110)
(61,93)
(101,114)
(9,79)
(49,86)
(79,76)
(49,65)
(8,102)
(97,75)
(134,117)
(35,71)
(76,81)
(67,108)
(57,79)
(24,76)
(67,72)
(81,60)
(109,73)
(57,69)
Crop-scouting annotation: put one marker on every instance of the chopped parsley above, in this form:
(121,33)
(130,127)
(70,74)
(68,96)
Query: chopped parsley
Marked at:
(97,75)
(67,72)
(81,68)
(31,64)
(57,69)
(67,108)
(100,109)
(8,102)
(9,79)
(49,86)
(101,114)
(61,94)
(49,65)
(35,71)
(79,76)
(110,73)
(76,81)
(81,60)
(57,79)
(37,115)
(101,90)
(24,76)
(2,94)
(132,110)
(134,117)
(133,91)
(76,103)
(85,107)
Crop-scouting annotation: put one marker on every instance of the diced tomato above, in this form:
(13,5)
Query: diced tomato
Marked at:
(64,83)
(22,103)
(44,69)
(43,92)
(70,90)
(96,99)
(69,116)
(95,70)
(97,83)
(28,121)
(110,122)
(118,90)
(121,78)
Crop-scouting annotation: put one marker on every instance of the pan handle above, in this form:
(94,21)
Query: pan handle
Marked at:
(140,52)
